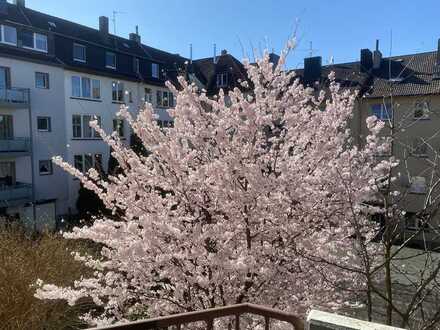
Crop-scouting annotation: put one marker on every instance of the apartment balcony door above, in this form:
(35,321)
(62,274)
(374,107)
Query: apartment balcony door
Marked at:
(7,174)
(5,78)
(6,127)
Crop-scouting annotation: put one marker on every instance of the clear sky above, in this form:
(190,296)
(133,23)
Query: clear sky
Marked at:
(337,28)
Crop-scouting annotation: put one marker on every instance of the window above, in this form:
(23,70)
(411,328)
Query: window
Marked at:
(165,123)
(164,99)
(222,79)
(155,70)
(118,127)
(8,35)
(117,91)
(81,126)
(6,127)
(45,167)
(86,88)
(148,95)
(136,65)
(41,42)
(382,111)
(35,41)
(421,110)
(85,162)
(96,89)
(130,96)
(418,185)
(43,124)
(27,39)
(79,53)
(42,80)
(110,60)
(419,148)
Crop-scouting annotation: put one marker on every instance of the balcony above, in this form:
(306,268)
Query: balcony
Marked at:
(14,97)
(16,194)
(231,313)
(17,146)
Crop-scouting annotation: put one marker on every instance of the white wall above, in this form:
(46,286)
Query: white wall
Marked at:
(44,102)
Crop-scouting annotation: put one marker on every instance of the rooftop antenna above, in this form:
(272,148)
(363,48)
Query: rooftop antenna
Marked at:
(190,53)
(114,19)
(215,53)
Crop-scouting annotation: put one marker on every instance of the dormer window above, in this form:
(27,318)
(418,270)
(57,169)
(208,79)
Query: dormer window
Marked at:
(222,79)
(155,70)
(79,53)
(8,35)
(34,41)
(110,60)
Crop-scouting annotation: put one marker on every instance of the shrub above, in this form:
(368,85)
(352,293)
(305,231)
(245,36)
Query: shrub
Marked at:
(25,259)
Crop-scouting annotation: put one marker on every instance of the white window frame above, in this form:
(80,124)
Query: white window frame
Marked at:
(92,82)
(222,79)
(119,86)
(148,95)
(35,43)
(118,125)
(107,65)
(48,124)
(83,161)
(50,167)
(2,31)
(82,127)
(424,107)
(420,143)
(45,79)
(418,185)
(85,53)
(155,70)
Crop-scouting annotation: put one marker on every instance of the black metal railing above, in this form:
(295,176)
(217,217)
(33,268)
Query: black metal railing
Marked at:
(208,316)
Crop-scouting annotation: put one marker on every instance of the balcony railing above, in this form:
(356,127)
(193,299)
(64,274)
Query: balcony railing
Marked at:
(16,144)
(17,192)
(208,316)
(14,96)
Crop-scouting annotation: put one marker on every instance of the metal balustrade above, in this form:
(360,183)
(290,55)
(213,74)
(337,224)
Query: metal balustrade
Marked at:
(15,192)
(208,316)
(16,144)
(14,96)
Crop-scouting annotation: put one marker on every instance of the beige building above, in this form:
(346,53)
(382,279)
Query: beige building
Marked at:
(404,92)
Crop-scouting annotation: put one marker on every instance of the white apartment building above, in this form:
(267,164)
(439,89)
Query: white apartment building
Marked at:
(56,76)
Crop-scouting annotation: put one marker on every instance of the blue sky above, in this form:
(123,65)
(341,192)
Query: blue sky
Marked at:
(338,28)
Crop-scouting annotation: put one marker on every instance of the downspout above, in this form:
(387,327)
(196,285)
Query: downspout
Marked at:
(31,142)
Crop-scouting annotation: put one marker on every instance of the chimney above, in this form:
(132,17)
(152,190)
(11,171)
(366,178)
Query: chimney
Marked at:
(135,36)
(20,3)
(366,60)
(377,57)
(215,54)
(224,52)
(436,75)
(312,69)
(274,58)
(103,25)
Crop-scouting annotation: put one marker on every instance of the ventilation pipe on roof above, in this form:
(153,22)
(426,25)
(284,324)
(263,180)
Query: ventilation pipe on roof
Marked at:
(190,53)
(215,54)
(20,3)
(377,56)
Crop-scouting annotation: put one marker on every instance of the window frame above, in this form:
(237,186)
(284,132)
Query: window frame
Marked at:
(107,53)
(2,35)
(76,59)
(155,70)
(48,121)
(34,47)
(92,82)
(50,167)
(223,79)
(45,76)
(79,125)
(136,65)
(415,187)
(119,127)
(118,88)
(383,110)
(81,158)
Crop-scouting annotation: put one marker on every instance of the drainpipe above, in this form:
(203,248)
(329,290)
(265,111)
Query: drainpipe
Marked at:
(34,215)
